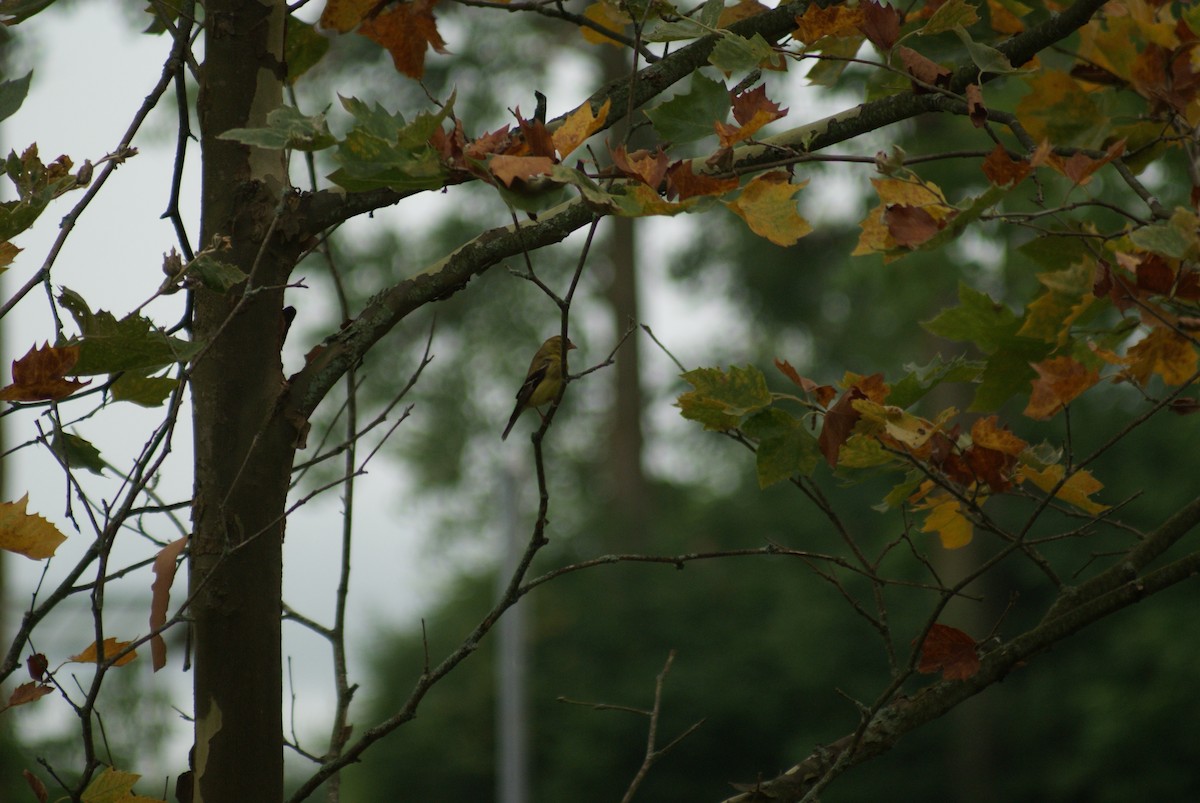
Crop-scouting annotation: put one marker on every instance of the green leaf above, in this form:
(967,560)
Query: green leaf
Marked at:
(921,379)
(901,492)
(950,15)
(686,118)
(77,452)
(737,54)
(133,343)
(1166,239)
(382,150)
(987,59)
(215,274)
(1008,372)
(303,48)
(1052,252)
(286,128)
(785,446)
(977,320)
(37,185)
(721,399)
(13,12)
(12,95)
(144,391)
(826,72)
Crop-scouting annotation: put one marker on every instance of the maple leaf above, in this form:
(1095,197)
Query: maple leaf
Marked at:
(950,651)
(767,206)
(27,534)
(406,30)
(1060,380)
(578,126)
(39,375)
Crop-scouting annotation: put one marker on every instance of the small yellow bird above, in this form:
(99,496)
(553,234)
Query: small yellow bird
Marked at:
(542,382)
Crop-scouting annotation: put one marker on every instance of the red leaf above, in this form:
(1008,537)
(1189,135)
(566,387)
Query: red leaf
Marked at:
(881,24)
(37,666)
(950,651)
(28,692)
(910,225)
(35,783)
(839,423)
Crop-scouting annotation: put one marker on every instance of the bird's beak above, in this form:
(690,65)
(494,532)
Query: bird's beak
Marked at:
(570,345)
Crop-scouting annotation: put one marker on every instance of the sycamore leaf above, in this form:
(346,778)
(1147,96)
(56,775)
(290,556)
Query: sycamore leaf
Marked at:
(609,16)
(578,126)
(948,16)
(144,391)
(688,117)
(133,343)
(881,24)
(737,54)
(648,168)
(839,423)
(302,49)
(1060,380)
(986,433)
(1075,491)
(923,378)
(1058,109)
(720,399)
(39,375)
(767,205)
(12,95)
(786,447)
(950,651)
(27,693)
(834,20)
(286,128)
(114,786)
(91,655)
(947,520)
(406,30)
(36,185)
(1163,352)
(27,534)
(77,452)
(345,15)
(165,563)
(683,183)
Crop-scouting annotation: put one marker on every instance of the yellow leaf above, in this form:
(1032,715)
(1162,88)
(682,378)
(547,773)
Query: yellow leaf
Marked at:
(579,125)
(111,648)
(27,534)
(767,206)
(1165,353)
(1075,491)
(952,527)
(606,15)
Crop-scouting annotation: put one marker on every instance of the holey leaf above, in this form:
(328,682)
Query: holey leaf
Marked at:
(721,399)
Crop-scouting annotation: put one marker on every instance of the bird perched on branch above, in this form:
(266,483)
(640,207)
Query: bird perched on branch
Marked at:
(543,381)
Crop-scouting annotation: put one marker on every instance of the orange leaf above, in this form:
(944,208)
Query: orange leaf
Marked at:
(1002,170)
(36,786)
(513,168)
(683,183)
(111,648)
(27,534)
(648,168)
(28,692)
(1059,381)
(39,374)
(950,651)
(1076,490)
(839,423)
(344,15)
(743,10)
(579,125)
(822,393)
(406,30)
(835,20)
(160,596)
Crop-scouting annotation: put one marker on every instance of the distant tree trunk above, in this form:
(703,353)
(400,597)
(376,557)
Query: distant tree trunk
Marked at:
(626,481)
(243,454)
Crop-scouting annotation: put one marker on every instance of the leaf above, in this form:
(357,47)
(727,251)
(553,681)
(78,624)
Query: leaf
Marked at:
(977,319)
(948,16)
(91,655)
(578,126)
(1002,171)
(406,30)
(785,446)
(27,693)
(921,379)
(946,519)
(683,183)
(303,48)
(114,786)
(37,185)
(133,343)
(13,12)
(12,94)
(950,651)
(768,207)
(345,15)
(144,391)
(76,452)
(8,252)
(839,423)
(608,15)
(881,24)
(382,150)
(817,23)
(286,128)
(1058,109)
(1162,352)
(165,565)
(1176,238)
(685,118)
(1075,491)
(987,59)
(39,375)
(986,433)
(737,54)
(27,534)
(36,786)
(720,399)
(1059,382)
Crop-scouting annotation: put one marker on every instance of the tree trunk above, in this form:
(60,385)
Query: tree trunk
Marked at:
(243,453)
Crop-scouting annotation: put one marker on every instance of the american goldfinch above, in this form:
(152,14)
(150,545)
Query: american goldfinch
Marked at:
(542,382)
